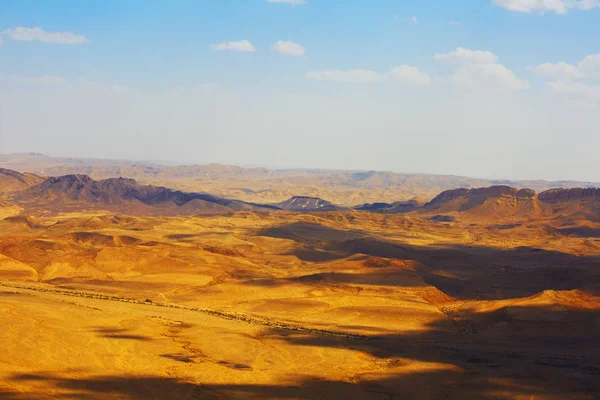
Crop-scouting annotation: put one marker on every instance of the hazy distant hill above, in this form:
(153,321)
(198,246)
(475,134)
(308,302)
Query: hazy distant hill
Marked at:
(506,204)
(306,204)
(262,185)
(80,192)
(11,181)
(399,207)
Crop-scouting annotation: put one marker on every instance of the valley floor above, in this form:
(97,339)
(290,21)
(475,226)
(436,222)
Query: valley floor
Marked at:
(343,305)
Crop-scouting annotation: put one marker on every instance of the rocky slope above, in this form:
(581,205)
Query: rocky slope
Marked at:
(399,207)
(505,203)
(306,204)
(124,195)
(12,181)
(262,185)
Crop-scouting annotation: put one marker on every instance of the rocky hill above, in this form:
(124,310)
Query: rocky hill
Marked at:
(263,185)
(399,207)
(12,181)
(306,204)
(72,192)
(505,203)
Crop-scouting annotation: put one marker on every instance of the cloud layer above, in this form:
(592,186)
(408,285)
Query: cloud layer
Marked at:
(572,79)
(37,80)
(557,6)
(347,76)
(288,48)
(243,46)
(404,74)
(38,34)
(477,69)
(474,70)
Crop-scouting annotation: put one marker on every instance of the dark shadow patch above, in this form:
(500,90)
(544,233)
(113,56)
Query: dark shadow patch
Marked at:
(114,333)
(462,272)
(505,226)
(581,232)
(443,218)
(241,367)
(180,236)
(184,358)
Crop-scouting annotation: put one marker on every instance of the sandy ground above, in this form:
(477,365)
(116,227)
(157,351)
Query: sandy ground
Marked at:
(335,305)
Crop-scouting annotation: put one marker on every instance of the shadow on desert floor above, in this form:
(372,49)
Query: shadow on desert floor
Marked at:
(469,272)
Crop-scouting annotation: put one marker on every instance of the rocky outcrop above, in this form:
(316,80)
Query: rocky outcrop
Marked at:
(81,191)
(495,203)
(306,204)
(564,195)
(12,181)
(473,197)
(448,195)
(399,207)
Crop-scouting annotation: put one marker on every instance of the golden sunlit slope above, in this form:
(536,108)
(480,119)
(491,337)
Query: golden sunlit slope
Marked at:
(505,204)
(12,181)
(349,304)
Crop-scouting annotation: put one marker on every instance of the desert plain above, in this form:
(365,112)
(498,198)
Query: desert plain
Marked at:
(479,295)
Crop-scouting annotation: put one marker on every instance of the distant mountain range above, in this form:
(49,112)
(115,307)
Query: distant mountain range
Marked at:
(82,193)
(500,204)
(268,186)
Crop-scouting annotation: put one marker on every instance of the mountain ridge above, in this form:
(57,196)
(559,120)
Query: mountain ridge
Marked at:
(270,186)
(11,181)
(78,191)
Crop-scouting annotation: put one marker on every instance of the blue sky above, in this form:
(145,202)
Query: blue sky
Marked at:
(493,88)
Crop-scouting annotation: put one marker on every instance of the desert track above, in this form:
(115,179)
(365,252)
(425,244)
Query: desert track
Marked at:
(253,320)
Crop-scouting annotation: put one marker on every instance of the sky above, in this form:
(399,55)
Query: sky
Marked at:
(484,88)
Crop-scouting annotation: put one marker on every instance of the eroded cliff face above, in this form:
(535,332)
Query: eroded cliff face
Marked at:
(78,192)
(501,203)
(562,195)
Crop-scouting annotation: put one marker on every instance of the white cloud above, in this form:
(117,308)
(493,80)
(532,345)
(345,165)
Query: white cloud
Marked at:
(478,69)
(288,48)
(414,20)
(576,88)
(462,56)
(491,76)
(557,6)
(573,80)
(35,80)
(240,45)
(38,34)
(292,2)
(590,66)
(453,22)
(588,4)
(404,74)
(409,75)
(348,76)
(560,70)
